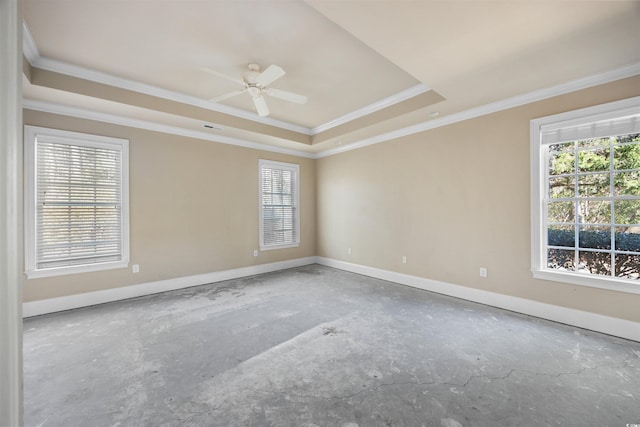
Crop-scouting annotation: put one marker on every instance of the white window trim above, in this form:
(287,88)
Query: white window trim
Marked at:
(30,134)
(538,171)
(278,165)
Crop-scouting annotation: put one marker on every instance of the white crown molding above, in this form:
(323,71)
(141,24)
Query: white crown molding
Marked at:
(32,54)
(110,80)
(119,82)
(494,107)
(83,113)
(29,48)
(582,319)
(372,108)
(629,71)
(52,305)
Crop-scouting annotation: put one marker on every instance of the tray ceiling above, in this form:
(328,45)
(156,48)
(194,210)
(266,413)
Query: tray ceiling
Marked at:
(368,68)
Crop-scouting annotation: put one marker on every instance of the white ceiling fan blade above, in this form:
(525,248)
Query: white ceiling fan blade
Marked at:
(224,76)
(270,75)
(287,96)
(261,106)
(227,95)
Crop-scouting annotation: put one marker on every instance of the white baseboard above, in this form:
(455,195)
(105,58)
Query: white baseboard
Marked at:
(52,305)
(582,319)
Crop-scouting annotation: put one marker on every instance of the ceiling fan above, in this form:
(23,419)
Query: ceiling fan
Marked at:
(256,84)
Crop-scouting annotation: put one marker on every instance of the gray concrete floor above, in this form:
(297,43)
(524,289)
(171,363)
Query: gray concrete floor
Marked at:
(314,346)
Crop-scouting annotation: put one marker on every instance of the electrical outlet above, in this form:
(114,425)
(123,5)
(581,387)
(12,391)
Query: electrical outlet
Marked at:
(135,268)
(348,251)
(404,259)
(483,272)
(255,252)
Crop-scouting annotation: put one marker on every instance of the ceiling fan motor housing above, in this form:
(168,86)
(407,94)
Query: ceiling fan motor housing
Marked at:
(253,89)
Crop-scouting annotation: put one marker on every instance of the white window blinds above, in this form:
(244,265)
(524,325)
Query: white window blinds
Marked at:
(279,216)
(79,202)
(567,131)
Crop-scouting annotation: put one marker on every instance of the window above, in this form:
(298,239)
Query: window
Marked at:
(279,215)
(76,202)
(586,196)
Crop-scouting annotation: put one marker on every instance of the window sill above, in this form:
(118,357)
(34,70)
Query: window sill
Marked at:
(272,247)
(76,269)
(608,283)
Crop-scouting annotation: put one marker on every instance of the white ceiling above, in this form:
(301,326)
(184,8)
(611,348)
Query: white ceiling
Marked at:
(368,68)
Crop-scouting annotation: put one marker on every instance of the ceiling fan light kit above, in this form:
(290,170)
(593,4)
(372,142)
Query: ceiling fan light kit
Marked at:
(256,83)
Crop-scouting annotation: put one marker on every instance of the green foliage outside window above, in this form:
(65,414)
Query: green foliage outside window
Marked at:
(601,196)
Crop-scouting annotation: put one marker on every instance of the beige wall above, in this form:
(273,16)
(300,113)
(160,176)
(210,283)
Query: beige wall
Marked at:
(193,208)
(452,200)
